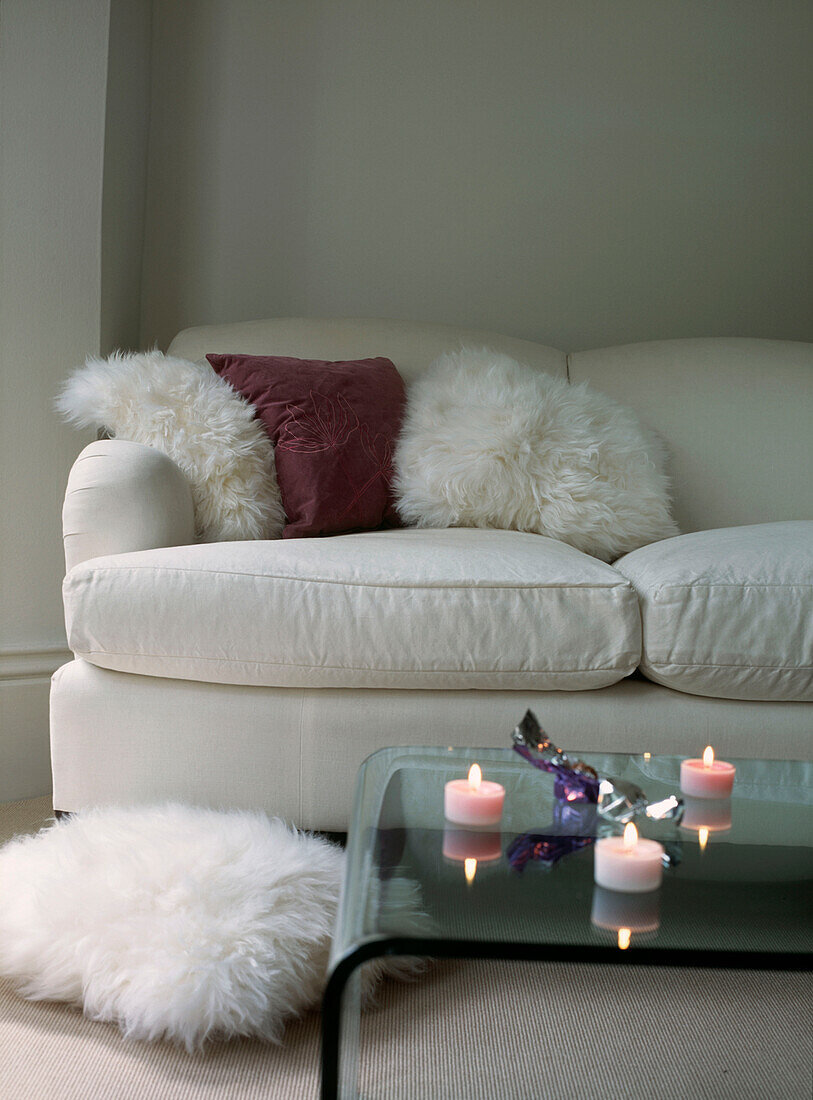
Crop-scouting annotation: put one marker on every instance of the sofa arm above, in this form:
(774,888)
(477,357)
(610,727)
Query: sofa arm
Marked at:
(124,496)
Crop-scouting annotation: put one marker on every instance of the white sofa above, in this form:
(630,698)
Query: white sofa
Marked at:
(261,674)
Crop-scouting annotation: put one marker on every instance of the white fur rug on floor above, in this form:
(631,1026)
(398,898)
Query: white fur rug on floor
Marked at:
(175,922)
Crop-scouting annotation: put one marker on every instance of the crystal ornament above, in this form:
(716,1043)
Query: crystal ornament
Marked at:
(672,853)
(618,800)
(668,809)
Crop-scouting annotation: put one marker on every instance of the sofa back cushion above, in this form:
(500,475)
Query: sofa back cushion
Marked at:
(735,415)
(410,345)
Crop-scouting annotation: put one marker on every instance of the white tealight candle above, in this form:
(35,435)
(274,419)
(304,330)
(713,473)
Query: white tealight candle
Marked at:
(628,863)
(473,801)
(707,778)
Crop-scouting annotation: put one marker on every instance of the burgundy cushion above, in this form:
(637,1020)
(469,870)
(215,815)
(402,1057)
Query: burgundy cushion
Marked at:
(334,427)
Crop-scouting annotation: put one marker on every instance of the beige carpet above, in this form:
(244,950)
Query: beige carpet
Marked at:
(464,1030)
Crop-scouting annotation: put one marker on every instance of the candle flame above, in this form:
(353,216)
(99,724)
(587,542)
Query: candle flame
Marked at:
(708,756)
(624,937)
(703,837)
(470,870)
(475,777)
(630,837)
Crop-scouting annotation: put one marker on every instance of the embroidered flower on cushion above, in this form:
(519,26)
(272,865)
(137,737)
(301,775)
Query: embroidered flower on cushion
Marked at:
(326,425)
(378,449)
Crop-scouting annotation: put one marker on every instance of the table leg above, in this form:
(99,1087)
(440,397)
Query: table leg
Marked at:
(341,1026)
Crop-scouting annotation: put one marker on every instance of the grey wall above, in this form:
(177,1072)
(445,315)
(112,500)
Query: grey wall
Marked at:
(70,264)
(582,172)
(53,64)
(124,177)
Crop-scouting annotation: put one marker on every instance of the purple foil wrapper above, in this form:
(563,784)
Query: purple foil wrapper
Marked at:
(570,784)
(573,827)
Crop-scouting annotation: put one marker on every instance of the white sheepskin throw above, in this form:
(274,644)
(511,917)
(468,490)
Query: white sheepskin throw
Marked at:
(488,442)
(200,422)
(174,922)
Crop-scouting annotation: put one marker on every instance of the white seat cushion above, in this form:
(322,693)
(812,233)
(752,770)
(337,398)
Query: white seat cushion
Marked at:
(729,613)
(409,609)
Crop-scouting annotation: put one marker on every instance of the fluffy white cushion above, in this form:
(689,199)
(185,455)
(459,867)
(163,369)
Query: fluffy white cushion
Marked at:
(487,442)
(200,422)
(174,922)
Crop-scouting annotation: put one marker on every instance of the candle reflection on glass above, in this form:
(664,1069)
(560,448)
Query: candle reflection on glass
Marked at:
(625,914)
(482,844)
(637,912)
(713,814)
(470,847)
(705,816)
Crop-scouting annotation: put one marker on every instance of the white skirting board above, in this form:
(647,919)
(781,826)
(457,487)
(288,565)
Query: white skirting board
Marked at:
(25,760)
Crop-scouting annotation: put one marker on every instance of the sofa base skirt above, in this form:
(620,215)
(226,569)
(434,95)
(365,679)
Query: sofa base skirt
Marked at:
(122,738)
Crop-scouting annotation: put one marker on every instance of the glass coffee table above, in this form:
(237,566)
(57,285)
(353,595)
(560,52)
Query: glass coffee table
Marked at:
(739,892)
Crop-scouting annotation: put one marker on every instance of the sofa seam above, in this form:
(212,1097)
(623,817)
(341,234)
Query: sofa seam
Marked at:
(661,662)
(693,587)
(623,585)
(301,720)
(86,654)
